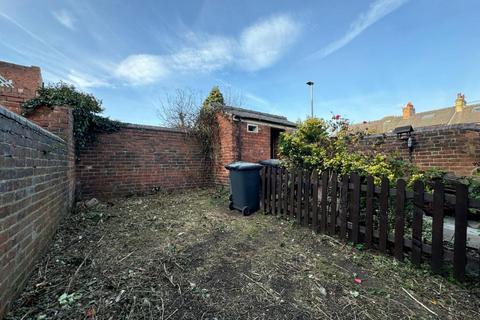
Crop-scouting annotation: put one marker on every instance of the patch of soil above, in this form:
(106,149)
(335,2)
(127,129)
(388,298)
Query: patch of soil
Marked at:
(185,256)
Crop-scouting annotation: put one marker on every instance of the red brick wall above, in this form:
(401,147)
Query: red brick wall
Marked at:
(34,195)
(28,79)
(13,99)
(139,159)
(25,81)
(237,144)
(226,152)
(254,146)
(59,120)
(454,148)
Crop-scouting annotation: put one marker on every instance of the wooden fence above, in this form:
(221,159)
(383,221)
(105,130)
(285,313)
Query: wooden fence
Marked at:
(354,209)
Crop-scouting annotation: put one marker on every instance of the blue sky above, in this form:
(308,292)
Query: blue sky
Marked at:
(366,57)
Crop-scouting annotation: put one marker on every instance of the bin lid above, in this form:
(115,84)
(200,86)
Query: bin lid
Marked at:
(243,166)
(270,162)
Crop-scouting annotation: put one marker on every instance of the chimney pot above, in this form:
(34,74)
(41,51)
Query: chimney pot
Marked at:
(460,102)
(408,111)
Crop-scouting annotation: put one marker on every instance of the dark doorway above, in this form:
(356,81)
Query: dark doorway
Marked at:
(274,139)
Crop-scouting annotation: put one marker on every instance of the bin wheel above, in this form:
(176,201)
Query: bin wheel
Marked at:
(230,206)
(230,197)
(246,211)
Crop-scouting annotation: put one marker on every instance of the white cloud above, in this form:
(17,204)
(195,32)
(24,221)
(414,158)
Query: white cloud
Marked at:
(142,69)
(85,81)
(209,54)
(259,46)
(377,10)
(263,43)
(65,18)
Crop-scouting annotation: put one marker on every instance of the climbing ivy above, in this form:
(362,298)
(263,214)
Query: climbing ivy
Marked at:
(206,125)
(86,109)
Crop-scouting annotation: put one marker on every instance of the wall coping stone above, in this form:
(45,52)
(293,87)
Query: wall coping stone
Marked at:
(153,128)
(26,123)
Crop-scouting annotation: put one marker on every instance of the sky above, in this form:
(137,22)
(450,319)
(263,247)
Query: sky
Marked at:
(367,58)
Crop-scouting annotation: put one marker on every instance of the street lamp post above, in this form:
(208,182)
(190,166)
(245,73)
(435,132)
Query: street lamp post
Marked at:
(310,84)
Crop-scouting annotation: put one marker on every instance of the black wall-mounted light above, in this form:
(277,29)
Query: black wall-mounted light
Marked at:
(405,133)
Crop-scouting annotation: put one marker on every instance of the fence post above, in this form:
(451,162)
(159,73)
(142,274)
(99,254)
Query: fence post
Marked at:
(343,207)
(315,202)
(274,190)
(285,192)
(299,195)
(306,198)
(383,218)
(323,203)
(355,208)
(291,213)
(369,213)
(280,192)
(437,227)
(460,243)
(417,223)
(263,193)
(400,219)
(269,188)
(333,204)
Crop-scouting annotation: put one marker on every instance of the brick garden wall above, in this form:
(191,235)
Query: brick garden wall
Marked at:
(454,148)
(13,98)
(139,159)
(226,152)
(23,78)
(34,195)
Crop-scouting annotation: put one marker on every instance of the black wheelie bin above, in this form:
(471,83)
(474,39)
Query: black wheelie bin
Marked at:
(244,186)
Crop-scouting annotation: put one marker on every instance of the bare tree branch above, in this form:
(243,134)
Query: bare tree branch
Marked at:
(232,97)
(179,109)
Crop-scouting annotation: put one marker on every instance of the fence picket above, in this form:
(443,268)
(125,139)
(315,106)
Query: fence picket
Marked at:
(460,243)
(417,223)
(280,192)
(269,189)
(437,227)
(333,204)
(400,219)
(323,202)
(285,192)
(299,196)
(274,190)
(355,207)
(369,213)
(343,207)
(263,193)
(315,201)
(291,213)
(383,216)
(306,198)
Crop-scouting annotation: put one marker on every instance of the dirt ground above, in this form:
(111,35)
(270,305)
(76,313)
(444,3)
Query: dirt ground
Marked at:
(186,256)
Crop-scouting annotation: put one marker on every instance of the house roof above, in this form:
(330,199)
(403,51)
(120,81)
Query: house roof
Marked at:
(259,116)
(444,116)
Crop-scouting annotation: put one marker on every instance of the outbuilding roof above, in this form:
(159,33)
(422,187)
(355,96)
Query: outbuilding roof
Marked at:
(259,116)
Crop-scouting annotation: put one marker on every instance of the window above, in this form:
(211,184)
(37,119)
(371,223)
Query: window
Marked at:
(252,128)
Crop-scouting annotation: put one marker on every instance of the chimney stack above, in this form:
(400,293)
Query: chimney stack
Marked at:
(460,102)
(408,111)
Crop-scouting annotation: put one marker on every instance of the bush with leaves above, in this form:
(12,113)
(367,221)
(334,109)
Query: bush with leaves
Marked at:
(321,145)
(86,108)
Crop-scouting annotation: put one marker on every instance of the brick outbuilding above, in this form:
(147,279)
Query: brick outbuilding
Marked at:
(247,135)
